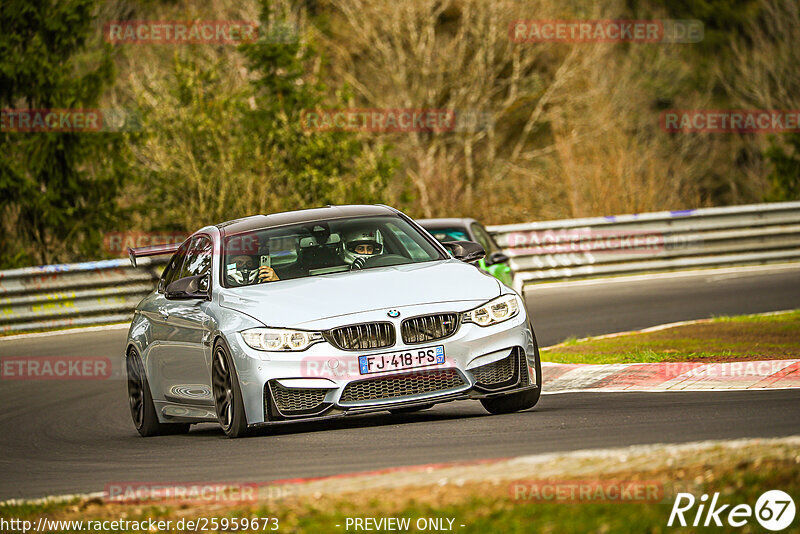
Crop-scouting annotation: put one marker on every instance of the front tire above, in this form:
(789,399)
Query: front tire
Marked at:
(227,394)
(140,400)
(523,400)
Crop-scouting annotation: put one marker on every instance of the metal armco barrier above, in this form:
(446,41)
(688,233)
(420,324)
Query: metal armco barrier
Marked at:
(651,242)
(107,291)
(95,292)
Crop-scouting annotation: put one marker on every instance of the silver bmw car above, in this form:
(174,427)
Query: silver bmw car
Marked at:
(323,313)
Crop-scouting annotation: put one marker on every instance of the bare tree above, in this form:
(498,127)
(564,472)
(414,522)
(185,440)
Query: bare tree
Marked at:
(571,128)
(454,55)
(765,72)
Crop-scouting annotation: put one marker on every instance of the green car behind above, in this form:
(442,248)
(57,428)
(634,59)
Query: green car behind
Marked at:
(495,262)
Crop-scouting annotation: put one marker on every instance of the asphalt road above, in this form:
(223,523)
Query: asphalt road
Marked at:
(60,437)
(594,307)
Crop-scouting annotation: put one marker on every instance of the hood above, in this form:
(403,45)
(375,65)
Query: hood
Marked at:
(293,303)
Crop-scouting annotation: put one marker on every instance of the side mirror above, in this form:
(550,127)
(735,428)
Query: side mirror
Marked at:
(466,251)
(496,257)
(191,287)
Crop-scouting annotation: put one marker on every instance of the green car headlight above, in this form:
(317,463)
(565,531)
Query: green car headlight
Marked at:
(495,311)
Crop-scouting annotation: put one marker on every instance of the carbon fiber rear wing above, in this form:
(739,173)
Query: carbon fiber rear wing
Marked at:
(152,250)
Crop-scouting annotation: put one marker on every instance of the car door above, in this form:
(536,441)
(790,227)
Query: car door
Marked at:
(184,361)
(156,310)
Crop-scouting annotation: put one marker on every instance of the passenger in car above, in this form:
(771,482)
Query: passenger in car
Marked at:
(245,273)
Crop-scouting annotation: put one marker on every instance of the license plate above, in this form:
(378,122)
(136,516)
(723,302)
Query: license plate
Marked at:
(404,359)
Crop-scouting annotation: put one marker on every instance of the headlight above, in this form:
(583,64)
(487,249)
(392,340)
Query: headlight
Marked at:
(493,312)
(278,339)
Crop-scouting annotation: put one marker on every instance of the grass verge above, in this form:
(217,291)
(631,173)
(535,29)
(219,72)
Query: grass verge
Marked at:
(507,503)
(745,337)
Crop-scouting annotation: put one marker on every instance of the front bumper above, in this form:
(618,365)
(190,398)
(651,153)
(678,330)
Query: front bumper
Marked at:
(324,382)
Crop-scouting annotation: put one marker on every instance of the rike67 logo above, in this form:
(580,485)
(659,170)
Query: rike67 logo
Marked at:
(774,510)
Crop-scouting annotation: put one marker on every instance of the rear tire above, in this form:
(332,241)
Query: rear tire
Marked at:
(140,400)
(227,394)
(523,400)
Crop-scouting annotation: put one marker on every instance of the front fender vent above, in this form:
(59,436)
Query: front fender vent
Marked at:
(295,401)
(509,371)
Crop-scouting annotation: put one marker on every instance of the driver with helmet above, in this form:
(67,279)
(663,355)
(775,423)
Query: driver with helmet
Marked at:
(360,245)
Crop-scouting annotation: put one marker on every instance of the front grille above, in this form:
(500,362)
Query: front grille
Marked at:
(429,327)
(362,336)
(496,372)
(296,400)
(391,387)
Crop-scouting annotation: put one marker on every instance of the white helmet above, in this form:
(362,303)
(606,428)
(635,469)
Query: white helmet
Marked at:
(353,238)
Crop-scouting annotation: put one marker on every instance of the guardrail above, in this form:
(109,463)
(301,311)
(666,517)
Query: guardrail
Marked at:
(107,291)
(651,242)
(51,296)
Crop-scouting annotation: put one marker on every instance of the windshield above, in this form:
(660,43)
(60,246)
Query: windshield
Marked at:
(309,249)
(443,235)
